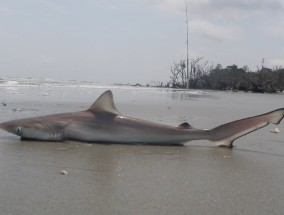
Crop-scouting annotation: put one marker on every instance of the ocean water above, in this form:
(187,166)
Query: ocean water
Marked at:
(60,89)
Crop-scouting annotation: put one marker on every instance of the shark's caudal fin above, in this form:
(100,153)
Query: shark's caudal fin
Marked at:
(224,135)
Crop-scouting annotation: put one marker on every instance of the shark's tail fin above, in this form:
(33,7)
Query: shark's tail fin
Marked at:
(224,135)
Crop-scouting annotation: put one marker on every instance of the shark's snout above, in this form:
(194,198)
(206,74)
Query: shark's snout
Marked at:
(3,127)
(7,126)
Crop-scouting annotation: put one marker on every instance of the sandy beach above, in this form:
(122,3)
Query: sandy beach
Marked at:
(200,178)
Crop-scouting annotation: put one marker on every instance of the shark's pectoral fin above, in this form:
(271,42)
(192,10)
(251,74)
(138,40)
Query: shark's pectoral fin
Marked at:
(104,104)
(224,135)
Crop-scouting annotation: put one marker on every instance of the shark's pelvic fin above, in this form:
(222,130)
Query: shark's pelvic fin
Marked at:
(226,134)
(104,104)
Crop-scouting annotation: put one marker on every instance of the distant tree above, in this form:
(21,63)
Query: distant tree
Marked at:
(279,78)
(178,75)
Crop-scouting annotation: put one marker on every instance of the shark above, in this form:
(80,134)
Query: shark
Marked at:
(103,123)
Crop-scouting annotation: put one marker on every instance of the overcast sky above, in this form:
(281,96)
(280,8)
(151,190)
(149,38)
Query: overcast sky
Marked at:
(134,40)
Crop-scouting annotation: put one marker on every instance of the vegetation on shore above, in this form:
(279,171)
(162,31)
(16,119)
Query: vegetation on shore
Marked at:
(204,76)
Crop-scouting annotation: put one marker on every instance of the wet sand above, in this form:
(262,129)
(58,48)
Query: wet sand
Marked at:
(137,179)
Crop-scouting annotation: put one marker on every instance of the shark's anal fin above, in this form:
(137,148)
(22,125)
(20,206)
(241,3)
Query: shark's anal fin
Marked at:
(104,104)
(226,134)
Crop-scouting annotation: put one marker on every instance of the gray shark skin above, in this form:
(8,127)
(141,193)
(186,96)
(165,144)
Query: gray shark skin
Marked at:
(103,123)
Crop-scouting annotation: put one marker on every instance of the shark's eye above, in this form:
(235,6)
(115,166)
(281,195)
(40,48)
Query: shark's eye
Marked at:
(18,130)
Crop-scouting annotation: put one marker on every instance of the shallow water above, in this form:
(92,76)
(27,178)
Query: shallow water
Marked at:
(135,179)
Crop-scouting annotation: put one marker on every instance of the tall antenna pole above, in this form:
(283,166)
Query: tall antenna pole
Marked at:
(187,61)
(262,63)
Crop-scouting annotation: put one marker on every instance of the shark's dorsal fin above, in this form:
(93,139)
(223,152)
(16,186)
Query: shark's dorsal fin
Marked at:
(104,104)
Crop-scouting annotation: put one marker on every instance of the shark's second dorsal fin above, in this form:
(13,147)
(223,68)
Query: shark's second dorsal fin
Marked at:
(185,125)
(104,104)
